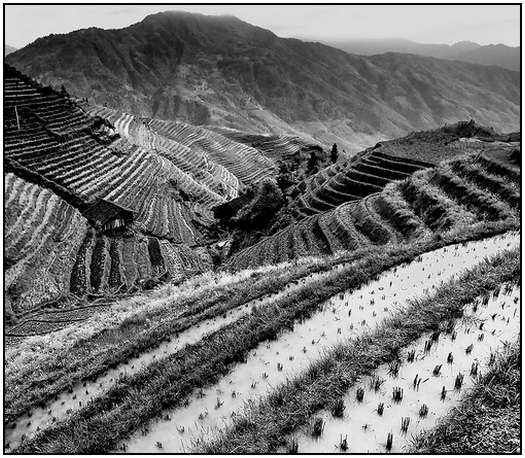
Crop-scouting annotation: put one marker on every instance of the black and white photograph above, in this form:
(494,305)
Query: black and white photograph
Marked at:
(239,229)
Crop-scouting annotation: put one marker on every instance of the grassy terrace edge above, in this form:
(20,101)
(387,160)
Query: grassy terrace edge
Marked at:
(135,400)
(263,428)
(488,420)
(89,358)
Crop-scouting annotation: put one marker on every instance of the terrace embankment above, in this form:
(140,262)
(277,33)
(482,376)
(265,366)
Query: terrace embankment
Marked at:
(488,419)
(409,398)
(133,401)
(344,316)
(191,331)
(292,406)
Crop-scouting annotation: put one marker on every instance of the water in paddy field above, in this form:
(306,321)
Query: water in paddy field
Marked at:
(68,402)
(82,393)
(344,316)
(465,352)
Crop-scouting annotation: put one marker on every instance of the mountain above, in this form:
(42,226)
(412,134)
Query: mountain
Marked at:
(8,49)
(219,70)
(466,51)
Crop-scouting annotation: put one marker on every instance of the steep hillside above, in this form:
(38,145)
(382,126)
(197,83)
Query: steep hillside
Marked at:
(62,161)
(371,169)
(222,71)
(480,187)
(224,166)
(495,54)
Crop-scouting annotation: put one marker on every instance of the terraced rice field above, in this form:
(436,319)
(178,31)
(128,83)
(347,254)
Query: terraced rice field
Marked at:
(434,374)
(333,314)
(347,315)
(67,159)
(434,200)
(42,235)
(367,318)
(84,166)
(276,147)
(353,180)
(243,161)
(209,182)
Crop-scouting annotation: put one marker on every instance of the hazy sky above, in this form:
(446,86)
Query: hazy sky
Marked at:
(483,24)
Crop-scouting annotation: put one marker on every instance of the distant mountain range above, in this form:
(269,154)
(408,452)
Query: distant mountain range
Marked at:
(8,49)
(219,70)
(466,51)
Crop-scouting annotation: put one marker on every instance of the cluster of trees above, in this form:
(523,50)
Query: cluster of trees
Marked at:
(269,206)
(270,196)
(268,199)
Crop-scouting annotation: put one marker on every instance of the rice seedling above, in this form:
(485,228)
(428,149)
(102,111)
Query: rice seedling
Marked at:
(474,369)
(443,393)
(450,358)
(468,350)
(375,383)
(458,382)
(343,443)
(437,370)
(423,411)
(360,394)
(397,394)
(389,441)
(405,422)
(380,408)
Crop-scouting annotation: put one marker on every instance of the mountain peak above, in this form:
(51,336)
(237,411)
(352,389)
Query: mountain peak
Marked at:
(219,70)
(466,45)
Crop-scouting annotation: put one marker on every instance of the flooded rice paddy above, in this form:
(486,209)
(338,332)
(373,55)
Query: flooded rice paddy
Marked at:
(81,393)
(344,316)
(401,400)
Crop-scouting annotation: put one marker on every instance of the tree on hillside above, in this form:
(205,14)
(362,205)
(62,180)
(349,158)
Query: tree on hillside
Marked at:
(334,154)
(285,179)
(268,199)
(313,164)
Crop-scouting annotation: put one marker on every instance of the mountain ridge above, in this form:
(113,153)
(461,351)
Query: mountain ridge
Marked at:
(466,51)
(223,71)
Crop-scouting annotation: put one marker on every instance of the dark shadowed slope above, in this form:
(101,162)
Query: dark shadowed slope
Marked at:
(222,71)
